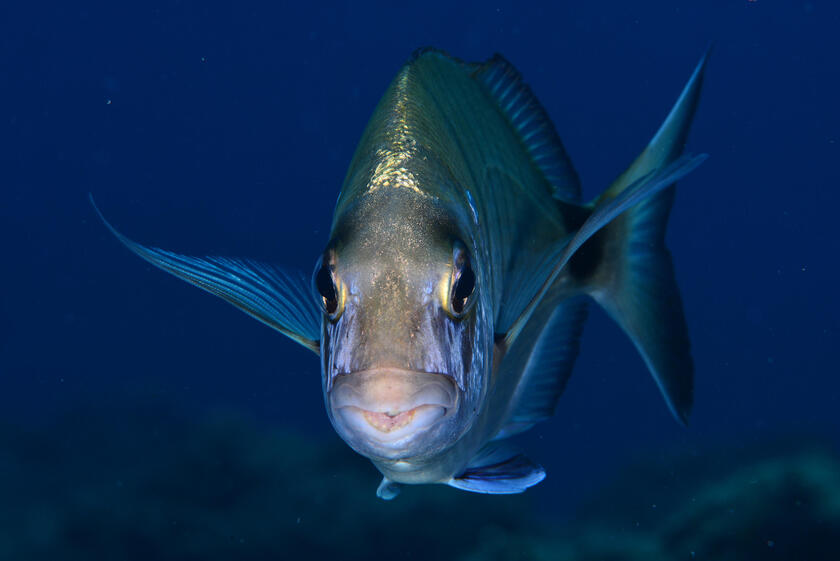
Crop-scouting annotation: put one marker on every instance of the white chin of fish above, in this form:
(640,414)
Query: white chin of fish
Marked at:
(388,406)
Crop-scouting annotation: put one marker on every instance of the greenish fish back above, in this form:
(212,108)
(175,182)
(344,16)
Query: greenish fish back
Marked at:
(428,137)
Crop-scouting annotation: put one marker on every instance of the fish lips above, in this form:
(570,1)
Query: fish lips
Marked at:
(390,412)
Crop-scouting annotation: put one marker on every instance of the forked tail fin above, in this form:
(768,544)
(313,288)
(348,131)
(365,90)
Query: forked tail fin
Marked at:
(627,269)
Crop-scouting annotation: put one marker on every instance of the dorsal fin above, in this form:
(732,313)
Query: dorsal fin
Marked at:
(532,123)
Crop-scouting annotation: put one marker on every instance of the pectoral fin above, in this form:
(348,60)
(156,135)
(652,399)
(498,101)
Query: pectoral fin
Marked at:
(280,299)
(498,470)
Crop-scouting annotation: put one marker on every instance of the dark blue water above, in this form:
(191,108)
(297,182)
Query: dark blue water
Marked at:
(227,129)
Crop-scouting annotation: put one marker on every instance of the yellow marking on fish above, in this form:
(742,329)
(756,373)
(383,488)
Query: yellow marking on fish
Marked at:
(391,170)
(443,290)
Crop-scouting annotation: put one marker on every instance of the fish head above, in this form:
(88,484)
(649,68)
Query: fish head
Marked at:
(405,338)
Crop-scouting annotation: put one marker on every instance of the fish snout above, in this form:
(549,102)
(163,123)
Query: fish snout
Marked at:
(389,406)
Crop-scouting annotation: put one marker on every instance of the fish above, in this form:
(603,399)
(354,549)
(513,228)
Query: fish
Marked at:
(448,305)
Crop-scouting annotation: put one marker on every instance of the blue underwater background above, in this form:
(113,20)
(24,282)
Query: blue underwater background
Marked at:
(142,419)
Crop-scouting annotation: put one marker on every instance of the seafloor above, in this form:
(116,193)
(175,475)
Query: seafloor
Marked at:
(156,486)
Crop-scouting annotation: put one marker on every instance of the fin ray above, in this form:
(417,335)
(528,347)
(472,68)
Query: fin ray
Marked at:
(278,298)
(498,469)
(536,131)
(543,358)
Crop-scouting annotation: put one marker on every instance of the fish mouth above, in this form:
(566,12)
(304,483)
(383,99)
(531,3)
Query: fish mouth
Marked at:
(390,405)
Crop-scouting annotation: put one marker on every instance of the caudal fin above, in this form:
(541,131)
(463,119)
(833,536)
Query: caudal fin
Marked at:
(627,269)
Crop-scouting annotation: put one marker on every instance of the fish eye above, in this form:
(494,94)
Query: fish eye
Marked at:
(325,283)
(463,281)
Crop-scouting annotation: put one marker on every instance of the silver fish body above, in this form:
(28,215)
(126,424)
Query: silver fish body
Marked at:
(453,289)
(412,193)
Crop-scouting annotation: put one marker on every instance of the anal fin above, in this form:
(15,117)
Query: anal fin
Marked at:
(545,355)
